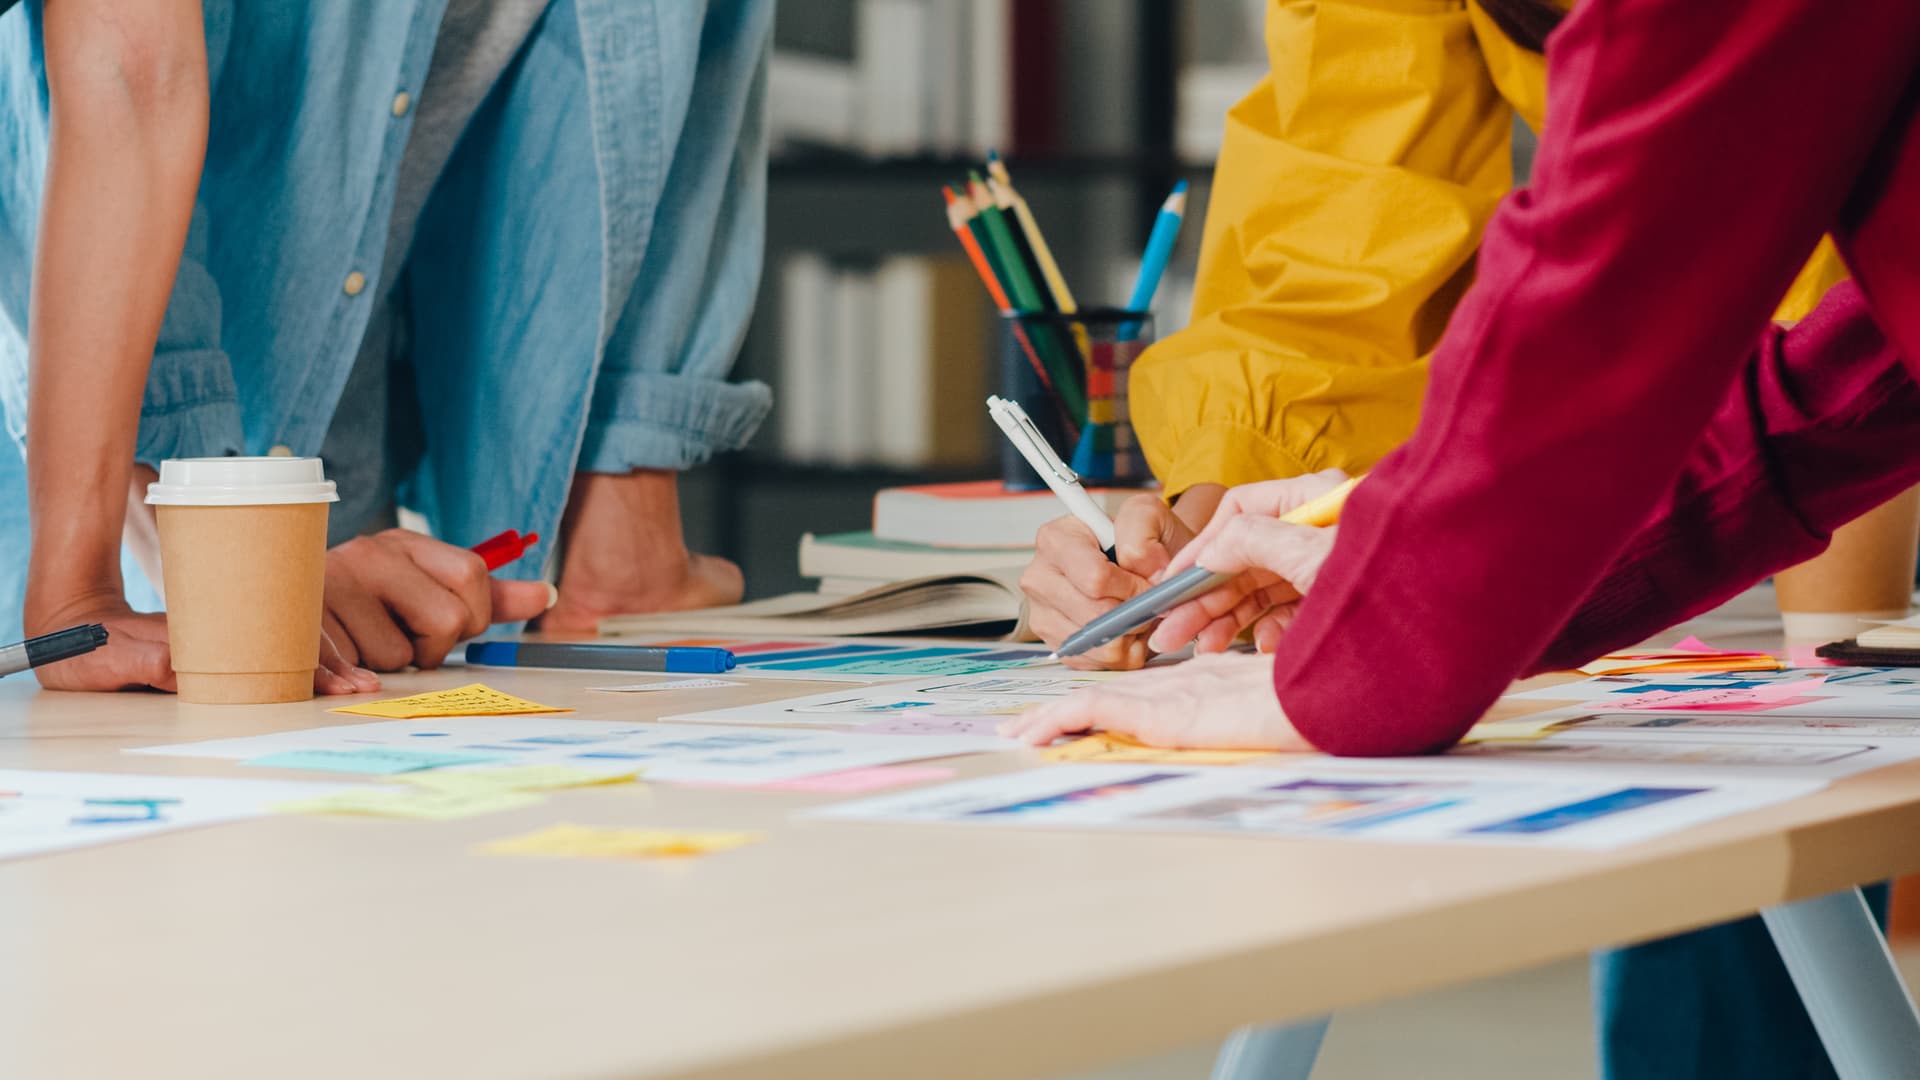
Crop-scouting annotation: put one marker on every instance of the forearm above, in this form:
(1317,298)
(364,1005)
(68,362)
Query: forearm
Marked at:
(128,120)
(1554,425)
(1797,449)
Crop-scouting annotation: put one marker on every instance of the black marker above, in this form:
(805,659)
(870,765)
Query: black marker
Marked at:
(52,648)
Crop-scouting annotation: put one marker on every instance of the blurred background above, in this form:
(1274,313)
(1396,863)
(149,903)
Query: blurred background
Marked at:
(867,308)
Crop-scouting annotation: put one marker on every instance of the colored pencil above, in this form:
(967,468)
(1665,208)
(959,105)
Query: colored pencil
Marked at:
(1153,264)
(1025,294)
(960,213)
(1002,181)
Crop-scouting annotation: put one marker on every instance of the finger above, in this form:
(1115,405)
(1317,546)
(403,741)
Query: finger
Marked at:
(1054,600)
(1142,531)
(1273,626)
(1038,727)
(1184,623)
(354,678)
(516,601)
(335,636)
(376,639)
(1222,632)
(462,575)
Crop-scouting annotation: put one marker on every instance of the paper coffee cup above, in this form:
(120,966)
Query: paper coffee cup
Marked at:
(243,554)
(1864,576)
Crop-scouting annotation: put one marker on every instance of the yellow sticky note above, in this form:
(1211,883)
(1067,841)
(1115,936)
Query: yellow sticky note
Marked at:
(591,842)
(476,699)
(516,778)
(413,803)
(1106,747)
(1521,728)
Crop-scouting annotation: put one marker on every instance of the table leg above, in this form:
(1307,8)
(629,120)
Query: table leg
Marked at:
(1280,1052)
(1847,979)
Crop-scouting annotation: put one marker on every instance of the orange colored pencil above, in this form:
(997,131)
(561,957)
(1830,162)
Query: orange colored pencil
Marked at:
(959,211)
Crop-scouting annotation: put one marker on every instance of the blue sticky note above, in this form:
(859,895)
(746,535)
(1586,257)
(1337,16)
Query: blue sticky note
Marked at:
(373,761)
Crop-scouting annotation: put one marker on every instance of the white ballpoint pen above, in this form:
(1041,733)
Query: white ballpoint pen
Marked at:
(1026,438)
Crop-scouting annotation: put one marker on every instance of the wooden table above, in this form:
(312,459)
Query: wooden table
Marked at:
(328,948)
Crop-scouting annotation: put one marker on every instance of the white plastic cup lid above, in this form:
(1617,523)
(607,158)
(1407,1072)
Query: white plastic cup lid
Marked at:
(241,481)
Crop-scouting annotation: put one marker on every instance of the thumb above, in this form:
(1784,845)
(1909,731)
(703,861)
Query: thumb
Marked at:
(517,601)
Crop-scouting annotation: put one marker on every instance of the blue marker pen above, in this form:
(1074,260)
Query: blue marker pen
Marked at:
(679,660)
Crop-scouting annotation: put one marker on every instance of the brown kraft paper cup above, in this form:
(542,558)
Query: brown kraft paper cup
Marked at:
(244,587)
(1864,576)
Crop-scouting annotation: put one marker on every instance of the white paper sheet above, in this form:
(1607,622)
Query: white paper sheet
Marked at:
(52,811)
(964,695)
(1333,800)
(660,751)
(1653,752)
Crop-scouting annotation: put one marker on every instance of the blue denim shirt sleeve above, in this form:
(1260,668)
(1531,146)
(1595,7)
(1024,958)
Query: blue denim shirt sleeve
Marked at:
(192,404)
(661,399)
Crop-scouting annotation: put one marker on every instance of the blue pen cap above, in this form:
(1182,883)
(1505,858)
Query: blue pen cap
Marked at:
(493,653)
(698,660)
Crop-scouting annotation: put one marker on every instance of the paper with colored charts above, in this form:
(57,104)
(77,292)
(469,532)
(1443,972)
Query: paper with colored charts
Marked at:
(1335,801)
(51,811)
(1889,693)
(1809,748)
(658,751)
(1784,723)
(861,660)
(964,699)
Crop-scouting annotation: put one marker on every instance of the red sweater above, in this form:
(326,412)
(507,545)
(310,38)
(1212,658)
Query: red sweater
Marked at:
(1603,449)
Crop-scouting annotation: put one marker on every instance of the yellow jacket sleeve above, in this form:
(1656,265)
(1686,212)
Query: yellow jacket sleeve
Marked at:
(1347,204)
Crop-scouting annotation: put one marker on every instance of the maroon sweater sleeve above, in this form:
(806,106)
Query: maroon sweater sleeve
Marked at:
(1694,153)
(1799,446)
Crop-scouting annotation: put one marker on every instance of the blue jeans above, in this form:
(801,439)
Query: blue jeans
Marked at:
(1708,1004)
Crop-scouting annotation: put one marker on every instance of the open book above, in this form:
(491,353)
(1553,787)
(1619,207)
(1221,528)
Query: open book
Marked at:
(985,603)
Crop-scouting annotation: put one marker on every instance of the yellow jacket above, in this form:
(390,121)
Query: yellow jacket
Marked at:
(1347,205)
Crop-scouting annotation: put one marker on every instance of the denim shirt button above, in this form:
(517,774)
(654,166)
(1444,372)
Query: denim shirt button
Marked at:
(356,281)
(400,102)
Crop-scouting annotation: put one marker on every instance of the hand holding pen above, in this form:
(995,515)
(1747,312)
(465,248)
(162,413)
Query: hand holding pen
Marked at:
(1249,567)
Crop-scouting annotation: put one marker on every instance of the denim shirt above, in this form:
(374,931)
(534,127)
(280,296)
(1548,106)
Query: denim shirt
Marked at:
(581,277)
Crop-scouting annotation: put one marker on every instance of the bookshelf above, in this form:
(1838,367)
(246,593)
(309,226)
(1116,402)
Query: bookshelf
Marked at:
(1092,140)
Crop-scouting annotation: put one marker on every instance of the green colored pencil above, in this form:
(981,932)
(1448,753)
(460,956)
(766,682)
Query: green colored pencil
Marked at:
(1027,298)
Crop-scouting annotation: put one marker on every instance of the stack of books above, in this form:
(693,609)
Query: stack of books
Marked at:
(941,557)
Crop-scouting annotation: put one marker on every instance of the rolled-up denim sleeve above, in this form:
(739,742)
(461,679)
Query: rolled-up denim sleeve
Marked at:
(662,399)
(192,407)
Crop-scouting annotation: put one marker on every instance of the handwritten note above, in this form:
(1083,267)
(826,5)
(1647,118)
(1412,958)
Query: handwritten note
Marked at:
(519,778)
(591,842)
(370,761)
(1719,699)
(1105,746)
(416,804)
(475,699)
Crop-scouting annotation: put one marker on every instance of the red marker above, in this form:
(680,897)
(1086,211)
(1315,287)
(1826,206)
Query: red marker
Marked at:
(500,550)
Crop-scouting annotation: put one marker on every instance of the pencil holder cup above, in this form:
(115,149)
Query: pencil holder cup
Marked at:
(1069,372)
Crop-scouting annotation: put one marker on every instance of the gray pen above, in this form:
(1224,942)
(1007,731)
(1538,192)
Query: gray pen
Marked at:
(1143,609)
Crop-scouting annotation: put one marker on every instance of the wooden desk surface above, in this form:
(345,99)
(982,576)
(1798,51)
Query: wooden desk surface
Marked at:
(328,948)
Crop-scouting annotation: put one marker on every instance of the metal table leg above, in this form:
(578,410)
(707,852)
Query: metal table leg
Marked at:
(1847,979)
(1283,1052)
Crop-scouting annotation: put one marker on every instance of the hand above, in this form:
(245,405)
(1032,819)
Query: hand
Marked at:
(697,581)
(399,598)
(1209,702)
(626,555)
(1276,563)
(135,655)
(1070,581)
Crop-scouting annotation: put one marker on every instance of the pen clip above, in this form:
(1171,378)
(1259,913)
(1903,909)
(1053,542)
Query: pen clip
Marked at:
(1039,452)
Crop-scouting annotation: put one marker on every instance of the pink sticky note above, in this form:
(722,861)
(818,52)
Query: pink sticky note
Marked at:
(1694,644)
(1804,656)
(923,723)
